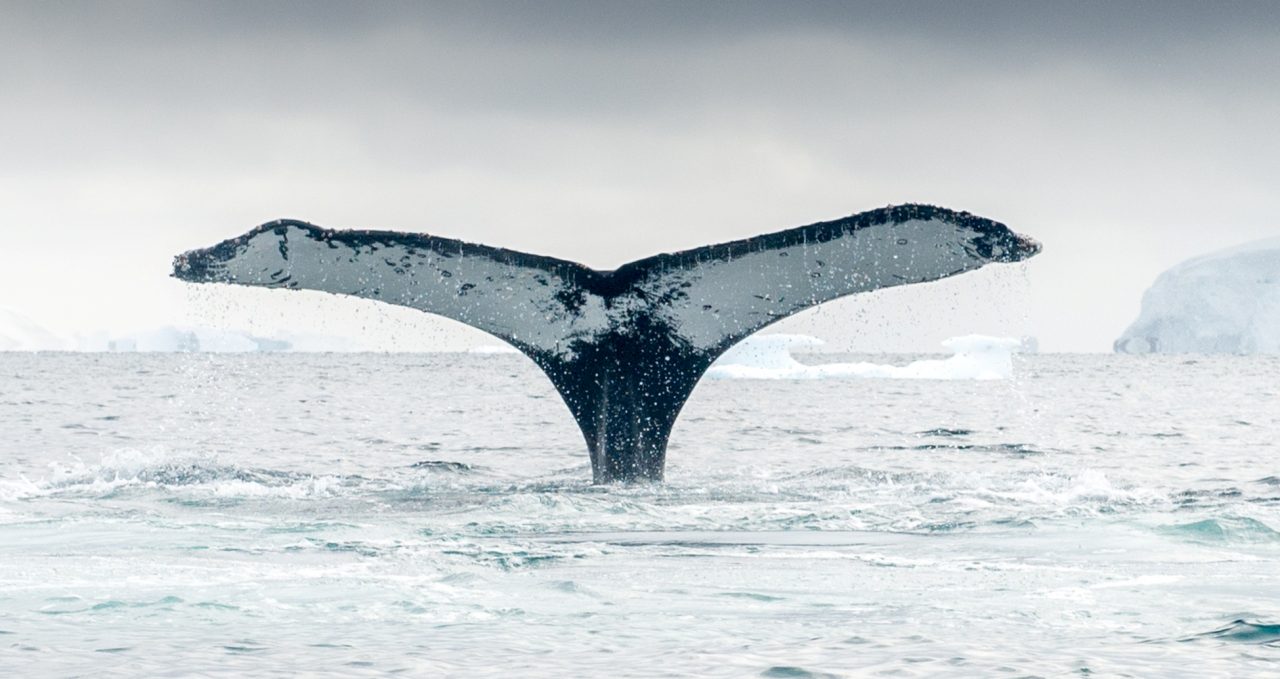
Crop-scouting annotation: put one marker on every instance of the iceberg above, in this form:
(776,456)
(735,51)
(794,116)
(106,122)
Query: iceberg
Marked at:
(769,357)
(171,338)
(1226,302)
(491,349)
(19,333)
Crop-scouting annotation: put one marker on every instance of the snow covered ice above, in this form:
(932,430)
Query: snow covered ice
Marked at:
(1226,302)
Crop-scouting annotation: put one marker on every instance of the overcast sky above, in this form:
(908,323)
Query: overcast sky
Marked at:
(1124,136)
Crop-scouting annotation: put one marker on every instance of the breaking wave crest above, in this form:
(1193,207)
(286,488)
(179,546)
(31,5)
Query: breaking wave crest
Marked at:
(129,472)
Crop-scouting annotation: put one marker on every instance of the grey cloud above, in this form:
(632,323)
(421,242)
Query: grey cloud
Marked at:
(1125,135)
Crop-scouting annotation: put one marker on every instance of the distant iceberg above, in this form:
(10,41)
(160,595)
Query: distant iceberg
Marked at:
(20,333)
(170,338)
(176,339)
(1226,302)
(493,349)
(768,357)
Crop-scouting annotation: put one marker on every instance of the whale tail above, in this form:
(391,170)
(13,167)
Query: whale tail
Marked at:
(624,348)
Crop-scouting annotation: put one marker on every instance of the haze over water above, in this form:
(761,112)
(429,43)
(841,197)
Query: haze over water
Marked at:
(353,515)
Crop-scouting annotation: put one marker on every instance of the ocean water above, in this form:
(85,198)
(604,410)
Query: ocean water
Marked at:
(431,515)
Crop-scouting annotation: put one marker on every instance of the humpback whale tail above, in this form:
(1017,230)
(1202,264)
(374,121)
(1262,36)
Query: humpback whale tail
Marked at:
(624,348)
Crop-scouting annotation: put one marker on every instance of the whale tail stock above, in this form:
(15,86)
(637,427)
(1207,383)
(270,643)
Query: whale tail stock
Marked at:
(624,348)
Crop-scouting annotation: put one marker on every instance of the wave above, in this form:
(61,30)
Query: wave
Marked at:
(1225,529)
(1241,631)
(445,466)
(465,499)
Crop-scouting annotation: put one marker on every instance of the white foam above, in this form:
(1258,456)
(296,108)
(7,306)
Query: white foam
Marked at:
(1082,489)
(768,357)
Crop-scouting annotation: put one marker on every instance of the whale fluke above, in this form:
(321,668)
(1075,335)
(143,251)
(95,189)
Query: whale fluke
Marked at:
(624,348)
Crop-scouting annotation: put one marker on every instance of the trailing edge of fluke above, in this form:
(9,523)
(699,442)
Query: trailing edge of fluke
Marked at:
(625,347)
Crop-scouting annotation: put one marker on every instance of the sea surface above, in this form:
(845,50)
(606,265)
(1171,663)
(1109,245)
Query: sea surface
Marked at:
(432,515)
